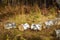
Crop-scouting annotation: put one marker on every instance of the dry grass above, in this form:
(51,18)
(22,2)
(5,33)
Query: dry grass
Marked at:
(32,15)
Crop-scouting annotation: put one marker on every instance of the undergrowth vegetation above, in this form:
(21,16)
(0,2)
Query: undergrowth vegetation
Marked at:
(22,14)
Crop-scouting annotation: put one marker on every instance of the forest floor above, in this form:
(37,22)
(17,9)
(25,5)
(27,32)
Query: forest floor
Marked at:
(32,17)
